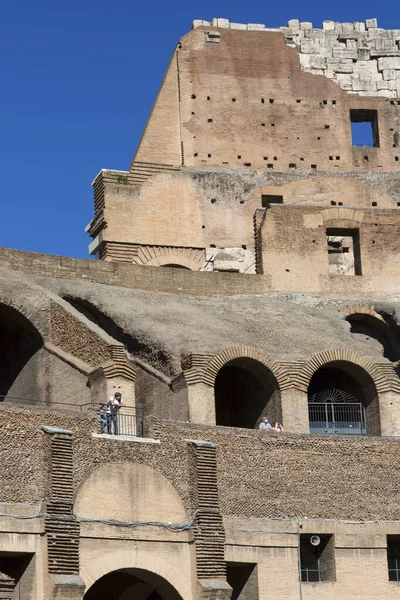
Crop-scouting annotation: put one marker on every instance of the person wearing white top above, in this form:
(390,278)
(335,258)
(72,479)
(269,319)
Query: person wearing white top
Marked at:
(113,407)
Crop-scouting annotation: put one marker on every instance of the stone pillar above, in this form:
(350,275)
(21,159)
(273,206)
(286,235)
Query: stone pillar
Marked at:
(68,587)
(389,409)
(201,404)
(295,411)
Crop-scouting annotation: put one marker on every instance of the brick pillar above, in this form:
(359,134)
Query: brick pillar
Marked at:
(209,531)
(62,527)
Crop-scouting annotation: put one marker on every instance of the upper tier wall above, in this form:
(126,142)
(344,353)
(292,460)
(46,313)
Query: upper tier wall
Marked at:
(361,57)
(242,99)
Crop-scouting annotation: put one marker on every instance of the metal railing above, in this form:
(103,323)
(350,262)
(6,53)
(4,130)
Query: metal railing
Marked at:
(394,569)
(128,421)
(346,418)
(310,575)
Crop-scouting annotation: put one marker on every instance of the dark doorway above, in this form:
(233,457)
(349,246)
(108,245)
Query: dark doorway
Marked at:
(125,584)
(245,390)
(19,342)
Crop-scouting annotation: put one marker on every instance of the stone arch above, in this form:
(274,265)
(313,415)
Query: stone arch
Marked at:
(245,373)
(345,355)
(145,560)
(175,261)
(364,320)
(343,397)
(161,256)
(219,360)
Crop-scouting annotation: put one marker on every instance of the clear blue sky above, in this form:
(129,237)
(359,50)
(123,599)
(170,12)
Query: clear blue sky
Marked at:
(78,80)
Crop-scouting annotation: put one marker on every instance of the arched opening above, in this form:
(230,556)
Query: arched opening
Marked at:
(343,400)
(20,340)
(385,331)
(176,266)
(245,390)
(126,584)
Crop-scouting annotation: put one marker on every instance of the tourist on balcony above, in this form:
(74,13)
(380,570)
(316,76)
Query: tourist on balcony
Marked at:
(113,407)
(278,427)
(103,420)
(265,425)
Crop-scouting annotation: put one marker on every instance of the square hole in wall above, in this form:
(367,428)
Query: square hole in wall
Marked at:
(317,558)
(267,199)
(364,128)
(344,257)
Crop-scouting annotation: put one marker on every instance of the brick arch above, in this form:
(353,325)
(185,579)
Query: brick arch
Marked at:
(362,309)
(341,213)
(343,355)
(222,358)
(93,569)
(176,259)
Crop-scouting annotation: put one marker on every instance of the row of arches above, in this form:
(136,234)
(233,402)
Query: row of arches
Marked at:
(342,397)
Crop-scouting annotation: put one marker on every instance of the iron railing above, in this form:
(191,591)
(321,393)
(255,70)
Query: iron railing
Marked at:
(346,418)
(310,575)
(128,421)
(394,569)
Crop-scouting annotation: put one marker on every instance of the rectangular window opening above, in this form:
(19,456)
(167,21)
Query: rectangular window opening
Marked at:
(267,199)
(364,128)
(317,557)
(243,579)
(393,557)
(344,257)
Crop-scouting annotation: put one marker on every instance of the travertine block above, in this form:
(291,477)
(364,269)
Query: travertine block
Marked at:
(305,25)
(363,53)
(340,67)
(317,62)
(328,25)
(293,24)
(363,85)
(255,26)
(371,23)
(223,23)
(344,53)
(351,44)
(305,60)
(359,26)
(389,74)
(382,85)
(347,27)
(240,26)
(389,63)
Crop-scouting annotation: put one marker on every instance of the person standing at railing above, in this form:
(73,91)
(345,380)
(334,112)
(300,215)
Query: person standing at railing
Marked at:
(103,420)
(113,407)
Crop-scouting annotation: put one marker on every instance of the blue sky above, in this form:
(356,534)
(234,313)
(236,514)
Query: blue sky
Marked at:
(78,80)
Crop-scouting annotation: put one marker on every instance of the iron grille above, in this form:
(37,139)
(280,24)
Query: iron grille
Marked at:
(344,418)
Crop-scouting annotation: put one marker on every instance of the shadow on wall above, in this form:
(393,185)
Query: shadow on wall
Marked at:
(132,344)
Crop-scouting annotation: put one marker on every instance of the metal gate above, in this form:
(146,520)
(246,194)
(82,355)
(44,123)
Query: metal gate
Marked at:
(343,417)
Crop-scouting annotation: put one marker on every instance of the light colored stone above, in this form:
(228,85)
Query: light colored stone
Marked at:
(238,26)
(344,53)
(388,63)
(371,23)
(328,25)
(347,27)
(223,23)
(343,67)
(293,24)
(359,26)
(382,85)
(389,74)
(255,26)
(317,62)
(305,25)
(361,85)
(305,60)
(352,44)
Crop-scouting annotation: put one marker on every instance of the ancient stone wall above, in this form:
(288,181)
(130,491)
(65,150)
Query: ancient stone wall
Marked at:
(259,475)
